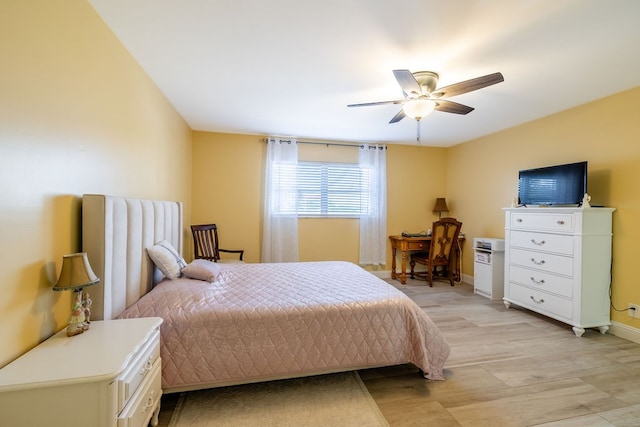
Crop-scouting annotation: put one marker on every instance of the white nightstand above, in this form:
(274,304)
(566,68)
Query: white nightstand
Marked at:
(108,376)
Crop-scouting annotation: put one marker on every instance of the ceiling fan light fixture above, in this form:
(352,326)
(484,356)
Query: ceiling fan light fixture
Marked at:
(418,108)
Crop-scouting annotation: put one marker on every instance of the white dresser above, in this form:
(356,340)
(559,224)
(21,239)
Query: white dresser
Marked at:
(558,263)
(109,376)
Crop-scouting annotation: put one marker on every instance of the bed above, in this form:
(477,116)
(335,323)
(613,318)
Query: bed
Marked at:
(250,322)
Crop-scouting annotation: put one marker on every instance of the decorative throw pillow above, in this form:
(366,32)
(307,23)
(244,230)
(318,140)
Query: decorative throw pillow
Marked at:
(167,259)
(201,269)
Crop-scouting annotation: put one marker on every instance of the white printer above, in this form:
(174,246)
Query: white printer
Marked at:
(488,244)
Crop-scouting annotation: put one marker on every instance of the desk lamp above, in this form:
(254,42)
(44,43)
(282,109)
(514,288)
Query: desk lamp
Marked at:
(77,274)
(440,206)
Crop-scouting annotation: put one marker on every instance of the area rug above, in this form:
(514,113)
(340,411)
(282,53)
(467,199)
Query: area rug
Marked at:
(324,400)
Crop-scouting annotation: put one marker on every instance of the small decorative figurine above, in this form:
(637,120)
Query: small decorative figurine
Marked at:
(76,320)
(585,201)
(86,307)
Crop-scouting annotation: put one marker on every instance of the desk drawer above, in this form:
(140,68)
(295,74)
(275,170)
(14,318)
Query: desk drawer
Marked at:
(418,245)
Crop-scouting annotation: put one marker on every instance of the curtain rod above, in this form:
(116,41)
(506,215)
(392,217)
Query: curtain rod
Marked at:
(322,143)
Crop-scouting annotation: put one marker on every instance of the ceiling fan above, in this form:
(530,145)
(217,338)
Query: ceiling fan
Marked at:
(421,97)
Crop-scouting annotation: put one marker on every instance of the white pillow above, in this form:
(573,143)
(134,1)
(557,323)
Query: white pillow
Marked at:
(167,259)
(202,269)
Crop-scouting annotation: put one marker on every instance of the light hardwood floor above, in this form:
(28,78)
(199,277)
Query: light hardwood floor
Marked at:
(508,367)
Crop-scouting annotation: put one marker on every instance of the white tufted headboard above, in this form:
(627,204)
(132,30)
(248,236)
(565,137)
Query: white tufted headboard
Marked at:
(115,234)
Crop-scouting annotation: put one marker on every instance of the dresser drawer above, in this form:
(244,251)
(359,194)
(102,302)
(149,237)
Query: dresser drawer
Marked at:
(543,281)
(556,243)
(540,301)
(542,222)
(138,369)
(542,261)
(140,408)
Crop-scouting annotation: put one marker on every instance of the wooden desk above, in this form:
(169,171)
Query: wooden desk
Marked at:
(406,244)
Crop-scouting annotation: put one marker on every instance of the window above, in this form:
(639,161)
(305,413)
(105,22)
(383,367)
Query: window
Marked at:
(329,190)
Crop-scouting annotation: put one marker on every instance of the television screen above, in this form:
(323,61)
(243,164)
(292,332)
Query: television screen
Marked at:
(553,185)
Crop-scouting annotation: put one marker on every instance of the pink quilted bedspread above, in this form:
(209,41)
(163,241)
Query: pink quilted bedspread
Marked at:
(266,321)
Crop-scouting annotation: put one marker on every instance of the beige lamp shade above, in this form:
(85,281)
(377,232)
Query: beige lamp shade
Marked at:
(440,206)
(76,273)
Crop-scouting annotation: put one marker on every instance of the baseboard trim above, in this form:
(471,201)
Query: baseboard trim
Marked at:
(625,331)
(467,279)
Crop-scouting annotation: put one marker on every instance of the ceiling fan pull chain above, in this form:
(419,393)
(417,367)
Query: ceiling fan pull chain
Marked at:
(418,137)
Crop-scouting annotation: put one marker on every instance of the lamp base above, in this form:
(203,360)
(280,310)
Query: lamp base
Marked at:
(75,329)
(77,317)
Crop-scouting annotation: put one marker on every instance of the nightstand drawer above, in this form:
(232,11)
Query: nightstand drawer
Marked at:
(542,261)
(140,409)
(135,374)
(543,281)
(540,301)
(542,221)
(557,243)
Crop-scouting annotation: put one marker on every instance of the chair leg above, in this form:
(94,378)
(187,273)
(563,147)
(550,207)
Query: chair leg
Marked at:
(412,263)
(430,275)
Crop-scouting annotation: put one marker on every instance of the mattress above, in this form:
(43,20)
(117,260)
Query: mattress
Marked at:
(258,322)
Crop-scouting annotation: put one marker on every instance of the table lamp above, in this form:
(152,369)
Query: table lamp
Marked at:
(77,274)
(440,206)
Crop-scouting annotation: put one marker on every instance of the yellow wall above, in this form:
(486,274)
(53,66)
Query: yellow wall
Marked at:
(77,115)
(228,179)
(483,176)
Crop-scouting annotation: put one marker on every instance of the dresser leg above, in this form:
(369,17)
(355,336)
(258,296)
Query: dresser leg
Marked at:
(603,329)
(155,416)
(578,331)
(507,304)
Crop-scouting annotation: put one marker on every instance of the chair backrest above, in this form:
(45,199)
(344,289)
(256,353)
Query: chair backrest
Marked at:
(444,234)
(205,242)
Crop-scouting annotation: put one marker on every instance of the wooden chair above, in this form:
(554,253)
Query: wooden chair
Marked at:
(444,235)
(205,244)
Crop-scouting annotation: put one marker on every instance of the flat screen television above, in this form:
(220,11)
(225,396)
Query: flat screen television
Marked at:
(553,185)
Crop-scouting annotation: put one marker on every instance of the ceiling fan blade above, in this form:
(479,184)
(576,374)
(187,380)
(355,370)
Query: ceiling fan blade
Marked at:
(368,104)
(398,117)
(452,107)
(407,82)
(468,85)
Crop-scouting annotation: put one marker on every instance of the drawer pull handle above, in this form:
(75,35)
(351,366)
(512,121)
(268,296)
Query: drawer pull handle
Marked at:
(149,403)
(537,282)
(539,301)
(540,243)
(518,219)
(560,222)
(533,260)
(146,368)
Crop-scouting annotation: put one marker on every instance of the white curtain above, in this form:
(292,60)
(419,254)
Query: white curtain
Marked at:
(373,225)
(280,236)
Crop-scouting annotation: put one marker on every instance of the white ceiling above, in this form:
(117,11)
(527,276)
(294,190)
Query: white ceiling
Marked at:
(290,67)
